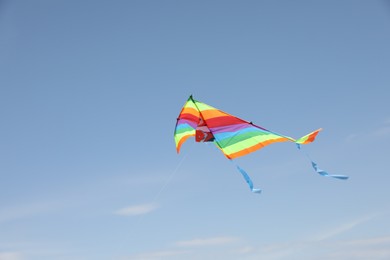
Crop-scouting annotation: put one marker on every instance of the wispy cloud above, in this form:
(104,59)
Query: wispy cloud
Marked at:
(370,241)
(371,248)
(387,121)
(381,131)
(245,250)
(214,241)
(23,211)
(276,251)
(376,248)
(309,247)
(325,242)
(342,228)
(156,255)
(10,256)
(194,249)
(136,210)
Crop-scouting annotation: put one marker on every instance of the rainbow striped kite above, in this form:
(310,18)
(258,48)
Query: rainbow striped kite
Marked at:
(235,137)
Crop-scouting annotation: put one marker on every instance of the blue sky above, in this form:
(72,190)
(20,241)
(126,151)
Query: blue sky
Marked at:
(89,95)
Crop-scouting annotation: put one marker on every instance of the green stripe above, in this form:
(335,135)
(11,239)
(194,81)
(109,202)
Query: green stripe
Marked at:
(178,137)
(183,130)
(190,104)
(241,137)
(302,140)
(203,106)
(248,143)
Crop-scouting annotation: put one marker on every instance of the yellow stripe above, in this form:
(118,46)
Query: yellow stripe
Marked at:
(180,141)
(203,106)
(190,110)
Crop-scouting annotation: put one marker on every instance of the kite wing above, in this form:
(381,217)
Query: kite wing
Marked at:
(234,136)
(187,122)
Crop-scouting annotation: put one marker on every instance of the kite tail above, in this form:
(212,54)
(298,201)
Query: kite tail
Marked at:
(320,171)
(247,179)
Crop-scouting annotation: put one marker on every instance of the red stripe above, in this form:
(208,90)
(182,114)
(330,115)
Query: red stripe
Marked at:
(189,117)
(224,121)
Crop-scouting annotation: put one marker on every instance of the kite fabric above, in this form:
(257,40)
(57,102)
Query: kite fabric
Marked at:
(235,137)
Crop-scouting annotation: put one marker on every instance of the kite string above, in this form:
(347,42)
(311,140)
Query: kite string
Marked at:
(170,177)
(167,181)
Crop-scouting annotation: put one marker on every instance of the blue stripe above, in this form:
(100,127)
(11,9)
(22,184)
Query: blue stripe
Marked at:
(228,135)
(183,125)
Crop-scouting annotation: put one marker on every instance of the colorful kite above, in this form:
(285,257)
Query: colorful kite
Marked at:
(235,137)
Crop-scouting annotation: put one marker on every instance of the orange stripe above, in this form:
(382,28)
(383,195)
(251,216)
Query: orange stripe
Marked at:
(311,137)
(190,110)
(255,148)
(181,141)
(211,113)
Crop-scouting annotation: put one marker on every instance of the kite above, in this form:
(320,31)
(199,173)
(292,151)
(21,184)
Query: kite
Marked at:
(234,136)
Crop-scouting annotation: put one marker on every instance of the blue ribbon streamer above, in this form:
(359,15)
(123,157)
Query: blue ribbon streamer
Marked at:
(246,177)
(248,180)
(320,171)
(313,164)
